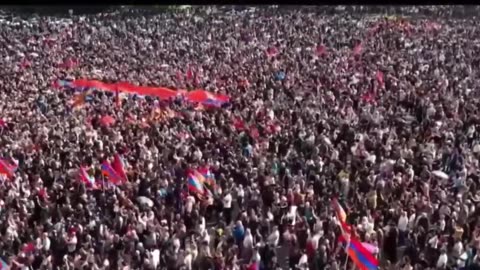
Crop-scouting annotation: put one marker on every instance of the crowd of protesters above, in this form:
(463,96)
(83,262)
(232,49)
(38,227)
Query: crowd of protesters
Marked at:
(378,111)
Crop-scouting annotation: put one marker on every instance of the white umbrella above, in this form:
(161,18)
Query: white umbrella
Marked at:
(440,175)
(145,201)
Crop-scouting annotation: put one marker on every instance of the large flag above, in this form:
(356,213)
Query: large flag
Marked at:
(363,259)
(111,174)
(7,167)
(119,166)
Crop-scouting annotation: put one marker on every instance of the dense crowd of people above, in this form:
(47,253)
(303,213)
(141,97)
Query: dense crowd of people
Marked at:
(378,111)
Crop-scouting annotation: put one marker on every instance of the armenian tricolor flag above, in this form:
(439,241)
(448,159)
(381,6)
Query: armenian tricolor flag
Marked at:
(62,83)
(119,166)
(208,177)
(111,174)
(195,185)
(363,259)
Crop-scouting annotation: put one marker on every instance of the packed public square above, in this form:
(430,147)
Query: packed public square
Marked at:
(325,140)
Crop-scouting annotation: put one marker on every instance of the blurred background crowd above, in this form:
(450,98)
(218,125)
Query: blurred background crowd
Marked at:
(377,107)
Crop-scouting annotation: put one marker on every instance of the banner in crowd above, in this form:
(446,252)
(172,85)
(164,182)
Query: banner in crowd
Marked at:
(199,96)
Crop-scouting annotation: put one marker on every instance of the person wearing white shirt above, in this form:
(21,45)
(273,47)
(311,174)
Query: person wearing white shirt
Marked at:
(227,207)
(433,242)
(442,260)
(403,222)
(190,202)
(402,226)
(240,195)
(303,262)
(43,242)
(187,261)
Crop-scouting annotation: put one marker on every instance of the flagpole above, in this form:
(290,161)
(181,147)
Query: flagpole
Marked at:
(103,184)
(346,251)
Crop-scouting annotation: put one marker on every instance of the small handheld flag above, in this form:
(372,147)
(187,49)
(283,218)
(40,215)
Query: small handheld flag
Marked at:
(119,166)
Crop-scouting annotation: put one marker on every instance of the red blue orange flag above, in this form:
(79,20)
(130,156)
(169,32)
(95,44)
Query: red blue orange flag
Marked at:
(208,177)
(363,259)
(111,174)
(119,166)
(195,184)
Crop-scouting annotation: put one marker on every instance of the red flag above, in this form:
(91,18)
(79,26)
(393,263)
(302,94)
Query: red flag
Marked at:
(358,49)
(3,124)
(28,248)
(119,166)
(107,120)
